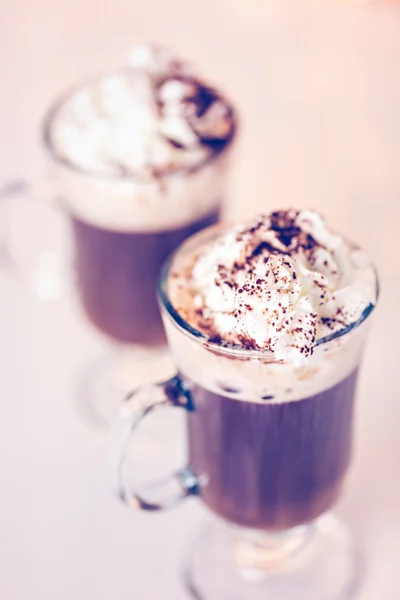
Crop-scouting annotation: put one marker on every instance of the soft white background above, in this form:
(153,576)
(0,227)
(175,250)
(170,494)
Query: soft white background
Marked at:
(318,87)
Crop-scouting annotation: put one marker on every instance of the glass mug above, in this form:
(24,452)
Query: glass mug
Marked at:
(268,470)
(119,246)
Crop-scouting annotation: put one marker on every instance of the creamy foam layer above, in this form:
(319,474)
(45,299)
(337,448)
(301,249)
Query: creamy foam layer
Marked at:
(143,148)
(278,284)
(128,206)
(257,380)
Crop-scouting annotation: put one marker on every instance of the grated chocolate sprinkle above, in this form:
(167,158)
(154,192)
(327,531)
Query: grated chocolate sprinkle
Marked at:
(282,308)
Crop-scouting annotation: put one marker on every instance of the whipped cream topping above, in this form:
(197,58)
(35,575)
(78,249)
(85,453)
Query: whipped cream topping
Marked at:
(151,118)
(279,284)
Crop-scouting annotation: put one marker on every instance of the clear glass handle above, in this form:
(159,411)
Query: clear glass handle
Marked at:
(34,237)
(159,495)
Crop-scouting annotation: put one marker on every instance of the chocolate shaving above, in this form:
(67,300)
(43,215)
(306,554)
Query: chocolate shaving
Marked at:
(267,397)
(175,143)
(265,247)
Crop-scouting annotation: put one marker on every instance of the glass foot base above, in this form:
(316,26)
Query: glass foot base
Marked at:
(103,384)
(324,566)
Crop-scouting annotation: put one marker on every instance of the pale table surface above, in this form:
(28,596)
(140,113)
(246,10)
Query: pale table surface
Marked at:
(318,87)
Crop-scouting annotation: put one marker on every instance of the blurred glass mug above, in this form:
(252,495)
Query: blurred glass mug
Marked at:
(126,222)
(269,470)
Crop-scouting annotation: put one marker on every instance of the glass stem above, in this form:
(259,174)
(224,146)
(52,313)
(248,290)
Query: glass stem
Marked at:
(258,550)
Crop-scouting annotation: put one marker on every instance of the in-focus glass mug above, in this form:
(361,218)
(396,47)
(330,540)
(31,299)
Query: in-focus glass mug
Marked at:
(270,471)
(123,227)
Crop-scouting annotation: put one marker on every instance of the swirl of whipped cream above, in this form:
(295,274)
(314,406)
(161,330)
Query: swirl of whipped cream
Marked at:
(279,284)
(151,118)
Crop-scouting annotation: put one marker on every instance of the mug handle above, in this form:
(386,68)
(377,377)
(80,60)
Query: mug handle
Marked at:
(44,269)
(137,406)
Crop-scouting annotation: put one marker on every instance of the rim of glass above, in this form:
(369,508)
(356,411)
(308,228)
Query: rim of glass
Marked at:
(231,349)
(65,95)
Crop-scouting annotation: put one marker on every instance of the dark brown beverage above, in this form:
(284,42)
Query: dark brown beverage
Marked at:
(117,277)
(274,465)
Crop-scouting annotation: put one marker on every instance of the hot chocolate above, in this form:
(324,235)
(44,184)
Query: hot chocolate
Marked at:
(277,308)
(141,156)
